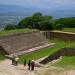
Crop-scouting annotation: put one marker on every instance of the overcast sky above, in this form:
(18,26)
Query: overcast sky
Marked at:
(44,4)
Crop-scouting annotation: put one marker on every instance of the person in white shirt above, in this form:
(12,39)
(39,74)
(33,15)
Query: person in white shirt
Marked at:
(16,60)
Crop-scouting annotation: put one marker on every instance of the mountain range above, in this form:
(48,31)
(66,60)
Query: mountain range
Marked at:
(15,10)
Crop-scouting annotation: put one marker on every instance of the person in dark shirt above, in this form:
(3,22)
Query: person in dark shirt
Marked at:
(32,65)
(13,60)
(25,62)
(29,64)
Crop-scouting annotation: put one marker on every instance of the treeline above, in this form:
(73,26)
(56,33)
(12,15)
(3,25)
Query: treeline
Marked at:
(41,22)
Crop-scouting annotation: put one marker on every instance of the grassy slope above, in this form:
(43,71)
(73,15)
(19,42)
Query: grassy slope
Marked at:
(2,57)
(9,32)
(47,51)
(69,29)
(66,62)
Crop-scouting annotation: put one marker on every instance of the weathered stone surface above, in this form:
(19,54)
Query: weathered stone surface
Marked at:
(67,36)
(21,42)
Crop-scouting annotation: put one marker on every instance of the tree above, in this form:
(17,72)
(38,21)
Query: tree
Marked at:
(37,14)
(46,23)
(58,26)
(37,21)
(10,27)
(67,22)
(25,22)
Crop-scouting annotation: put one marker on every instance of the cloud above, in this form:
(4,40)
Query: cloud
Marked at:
(41,3)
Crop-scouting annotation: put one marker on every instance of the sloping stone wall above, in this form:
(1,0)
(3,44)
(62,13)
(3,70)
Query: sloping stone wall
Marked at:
(57,54)
(60,35)
(2,51)
(22,41)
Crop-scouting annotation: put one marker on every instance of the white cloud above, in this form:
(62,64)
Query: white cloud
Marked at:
(40,3)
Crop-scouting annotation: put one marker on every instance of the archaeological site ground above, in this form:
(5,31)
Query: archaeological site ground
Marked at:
(53,50)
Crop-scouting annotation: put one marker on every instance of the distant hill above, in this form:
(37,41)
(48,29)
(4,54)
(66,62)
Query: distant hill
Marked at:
(15,10)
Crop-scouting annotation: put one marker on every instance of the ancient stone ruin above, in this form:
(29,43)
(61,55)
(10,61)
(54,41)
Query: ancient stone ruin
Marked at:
(68,36)
(22,42)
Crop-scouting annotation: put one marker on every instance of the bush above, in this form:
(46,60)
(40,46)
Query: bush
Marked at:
(58,27)
(37,21)
(67,22)
(10,27)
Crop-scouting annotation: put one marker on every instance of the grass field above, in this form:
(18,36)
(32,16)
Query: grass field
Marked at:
(10,32)
(72,30)
(2,57)
(47,51)
(67,62)
(69,30)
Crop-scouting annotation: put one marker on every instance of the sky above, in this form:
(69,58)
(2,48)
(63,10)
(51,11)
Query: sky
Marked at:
(67,4)
(50,7)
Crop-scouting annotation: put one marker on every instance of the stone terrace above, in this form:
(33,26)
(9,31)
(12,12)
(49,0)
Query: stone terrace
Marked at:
(21,42)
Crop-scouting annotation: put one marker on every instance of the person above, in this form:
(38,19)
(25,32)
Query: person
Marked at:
(25,62)
(16,60)
(32,65)
(13,60)
(29,64)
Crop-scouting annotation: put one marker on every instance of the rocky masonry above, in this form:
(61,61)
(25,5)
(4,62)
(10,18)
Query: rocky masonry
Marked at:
(67,36)
(21,42)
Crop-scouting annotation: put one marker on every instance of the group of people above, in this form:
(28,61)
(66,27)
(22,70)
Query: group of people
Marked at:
(30,63)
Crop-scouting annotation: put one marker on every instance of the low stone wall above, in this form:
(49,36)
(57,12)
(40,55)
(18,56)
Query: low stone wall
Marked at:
(59,53)
(60,35)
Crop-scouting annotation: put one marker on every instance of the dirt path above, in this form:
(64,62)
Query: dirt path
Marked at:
(7,69)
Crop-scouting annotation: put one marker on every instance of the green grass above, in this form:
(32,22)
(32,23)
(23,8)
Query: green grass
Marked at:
(66,62)
(69,30)
(10,32)
(2,57)
(47,51)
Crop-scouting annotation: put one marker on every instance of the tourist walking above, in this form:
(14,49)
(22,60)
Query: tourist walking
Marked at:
(29,64)
(32,65)
(16,61)
(13,60)
(25,62)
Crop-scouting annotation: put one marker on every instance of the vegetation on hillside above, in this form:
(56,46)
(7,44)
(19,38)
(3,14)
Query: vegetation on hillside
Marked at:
(11,27)
(37,21)
(43,22)
(67,62)
(66,22)
(69,30)
(2,57)
(10,32)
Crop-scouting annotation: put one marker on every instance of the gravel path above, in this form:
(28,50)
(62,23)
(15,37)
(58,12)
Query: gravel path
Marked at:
(7,69)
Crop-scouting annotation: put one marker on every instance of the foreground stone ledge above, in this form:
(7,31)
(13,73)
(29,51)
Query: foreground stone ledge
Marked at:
(30,50)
